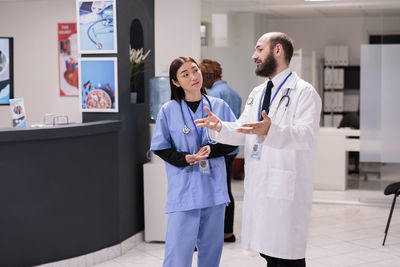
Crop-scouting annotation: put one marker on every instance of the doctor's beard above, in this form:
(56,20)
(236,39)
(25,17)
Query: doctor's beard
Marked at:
(268,67)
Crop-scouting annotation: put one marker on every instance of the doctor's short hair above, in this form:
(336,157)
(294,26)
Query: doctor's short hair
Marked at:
(211,70)
(285,41)
(177,93)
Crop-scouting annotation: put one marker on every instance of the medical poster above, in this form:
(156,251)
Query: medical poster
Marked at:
(97,29)
(68,59)
(18,118)
(98,85)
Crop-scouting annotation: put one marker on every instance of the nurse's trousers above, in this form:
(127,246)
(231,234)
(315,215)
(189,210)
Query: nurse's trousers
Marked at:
(203,228)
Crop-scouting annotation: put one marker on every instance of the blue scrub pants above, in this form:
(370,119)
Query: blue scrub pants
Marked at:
(203,228)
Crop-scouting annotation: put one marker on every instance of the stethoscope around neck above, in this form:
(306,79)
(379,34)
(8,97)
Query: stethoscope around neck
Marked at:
(282,98)
(186,129)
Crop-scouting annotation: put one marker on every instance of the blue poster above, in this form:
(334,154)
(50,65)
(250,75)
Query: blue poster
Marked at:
(98,85)
(97,27)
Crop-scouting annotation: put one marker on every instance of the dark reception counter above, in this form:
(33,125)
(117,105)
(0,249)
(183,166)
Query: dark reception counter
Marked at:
(59,192)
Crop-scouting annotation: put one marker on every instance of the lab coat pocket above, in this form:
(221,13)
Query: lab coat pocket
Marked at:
(281,184)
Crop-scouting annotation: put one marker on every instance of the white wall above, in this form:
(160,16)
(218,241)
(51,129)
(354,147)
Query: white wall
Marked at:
(310,34)
(33,24)
(235,58)
(177,32)
(316,33)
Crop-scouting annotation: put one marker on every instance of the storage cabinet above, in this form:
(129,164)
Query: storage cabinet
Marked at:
(341,96)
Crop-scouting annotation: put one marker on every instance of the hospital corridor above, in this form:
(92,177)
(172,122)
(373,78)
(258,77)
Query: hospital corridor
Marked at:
(254,133)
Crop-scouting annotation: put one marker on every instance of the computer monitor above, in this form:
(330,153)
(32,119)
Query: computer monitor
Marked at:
(351,120)
(6,70)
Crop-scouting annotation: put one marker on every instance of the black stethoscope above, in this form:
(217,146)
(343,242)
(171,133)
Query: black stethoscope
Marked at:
(288,98)
(186,129)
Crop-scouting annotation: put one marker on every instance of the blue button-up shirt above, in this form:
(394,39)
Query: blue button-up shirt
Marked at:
(222,90)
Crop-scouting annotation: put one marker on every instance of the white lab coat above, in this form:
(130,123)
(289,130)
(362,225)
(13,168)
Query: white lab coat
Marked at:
(278,186)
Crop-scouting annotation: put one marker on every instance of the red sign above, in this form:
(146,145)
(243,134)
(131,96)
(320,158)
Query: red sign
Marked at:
(68,59)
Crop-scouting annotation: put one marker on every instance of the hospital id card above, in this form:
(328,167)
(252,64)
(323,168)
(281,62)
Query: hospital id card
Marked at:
(204,166)
(256,151)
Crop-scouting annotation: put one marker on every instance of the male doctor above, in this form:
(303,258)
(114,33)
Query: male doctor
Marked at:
(279,130)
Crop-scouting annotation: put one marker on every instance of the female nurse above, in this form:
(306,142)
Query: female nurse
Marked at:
(197,188)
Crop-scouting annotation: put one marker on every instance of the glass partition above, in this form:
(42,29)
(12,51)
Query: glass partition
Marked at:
(370,35)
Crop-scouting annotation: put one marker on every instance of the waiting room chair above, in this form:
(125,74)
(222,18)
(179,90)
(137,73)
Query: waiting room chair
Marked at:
(393,188)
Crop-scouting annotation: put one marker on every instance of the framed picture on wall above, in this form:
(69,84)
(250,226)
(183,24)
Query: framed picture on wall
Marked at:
(6,70)
(97,27)
(98,84)
(68,59)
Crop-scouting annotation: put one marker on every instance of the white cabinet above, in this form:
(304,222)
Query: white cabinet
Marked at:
(155,197)
(331,163)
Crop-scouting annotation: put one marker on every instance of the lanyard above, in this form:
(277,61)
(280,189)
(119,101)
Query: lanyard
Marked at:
(279,88)
(199,135)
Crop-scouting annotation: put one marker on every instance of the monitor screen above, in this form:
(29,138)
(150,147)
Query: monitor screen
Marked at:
(6,70)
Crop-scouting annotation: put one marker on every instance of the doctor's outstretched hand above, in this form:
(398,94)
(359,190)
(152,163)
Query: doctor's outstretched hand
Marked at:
(211,122)
(260,128)
(203,153)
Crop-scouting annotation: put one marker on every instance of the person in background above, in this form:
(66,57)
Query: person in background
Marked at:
(279,130)
(212,75)
(197,190)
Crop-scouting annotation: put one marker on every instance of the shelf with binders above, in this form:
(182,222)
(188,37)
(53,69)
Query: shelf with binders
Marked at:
(341,94)
(341,77)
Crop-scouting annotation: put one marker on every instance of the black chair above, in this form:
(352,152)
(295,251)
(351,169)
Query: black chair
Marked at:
(393,188)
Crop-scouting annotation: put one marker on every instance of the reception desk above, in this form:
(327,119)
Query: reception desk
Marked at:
(59,194)
(331,164)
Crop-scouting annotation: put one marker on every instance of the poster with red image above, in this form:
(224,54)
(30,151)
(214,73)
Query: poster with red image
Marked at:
(68,59)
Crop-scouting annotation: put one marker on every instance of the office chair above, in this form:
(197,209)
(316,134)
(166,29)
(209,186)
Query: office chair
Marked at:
(393,188)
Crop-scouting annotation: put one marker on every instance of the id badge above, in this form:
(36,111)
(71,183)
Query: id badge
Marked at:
(204,166)
(256,151)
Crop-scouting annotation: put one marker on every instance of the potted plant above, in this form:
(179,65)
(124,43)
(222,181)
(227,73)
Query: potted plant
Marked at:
(136,69)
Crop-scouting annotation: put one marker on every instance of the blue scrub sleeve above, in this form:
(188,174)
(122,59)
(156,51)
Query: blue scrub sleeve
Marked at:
(228,114)
(161,136)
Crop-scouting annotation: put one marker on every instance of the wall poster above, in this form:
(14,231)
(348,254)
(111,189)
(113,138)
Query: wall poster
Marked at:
(68,59)
(97,27)
(98,84)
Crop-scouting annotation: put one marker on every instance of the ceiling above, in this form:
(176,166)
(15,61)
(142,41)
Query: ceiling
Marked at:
(298,8)
(302,8)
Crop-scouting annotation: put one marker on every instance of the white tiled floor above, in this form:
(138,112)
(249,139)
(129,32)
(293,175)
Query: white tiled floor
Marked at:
(339,235)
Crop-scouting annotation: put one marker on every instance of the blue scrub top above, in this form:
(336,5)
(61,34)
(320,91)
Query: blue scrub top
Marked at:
(188,188)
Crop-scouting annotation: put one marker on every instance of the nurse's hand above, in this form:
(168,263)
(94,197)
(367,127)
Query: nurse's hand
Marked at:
(211,122)
(203,153)
(260,128)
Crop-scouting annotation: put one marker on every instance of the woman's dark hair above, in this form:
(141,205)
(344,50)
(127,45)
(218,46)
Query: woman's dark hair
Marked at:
(177,93)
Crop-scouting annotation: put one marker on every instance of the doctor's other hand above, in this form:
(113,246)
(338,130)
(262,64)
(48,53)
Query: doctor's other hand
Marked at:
(203,153)
(211,122)
(260,128)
